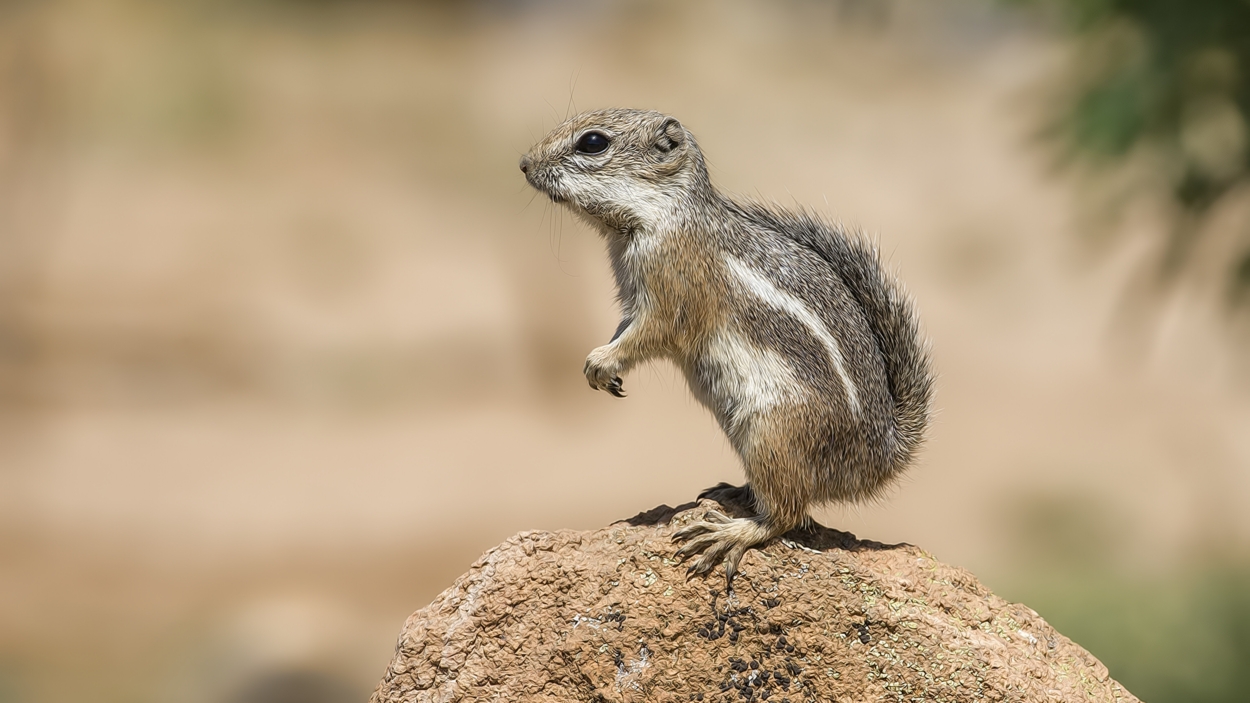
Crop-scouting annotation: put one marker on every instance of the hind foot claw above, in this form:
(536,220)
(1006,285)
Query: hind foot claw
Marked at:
(718,538)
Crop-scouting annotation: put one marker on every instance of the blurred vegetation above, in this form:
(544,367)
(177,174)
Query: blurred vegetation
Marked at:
(1159,89)
(1167,80)
(1181,635)
(1163,86)
(1180,638)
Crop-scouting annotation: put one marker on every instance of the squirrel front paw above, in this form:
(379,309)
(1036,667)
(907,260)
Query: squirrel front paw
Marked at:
(603,372)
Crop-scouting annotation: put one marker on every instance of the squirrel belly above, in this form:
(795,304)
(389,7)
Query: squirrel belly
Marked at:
(786,328)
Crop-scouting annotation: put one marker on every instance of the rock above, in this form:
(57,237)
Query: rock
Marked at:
(608,615)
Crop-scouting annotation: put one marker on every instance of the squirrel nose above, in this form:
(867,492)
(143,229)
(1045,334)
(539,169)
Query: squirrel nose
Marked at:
(525,164)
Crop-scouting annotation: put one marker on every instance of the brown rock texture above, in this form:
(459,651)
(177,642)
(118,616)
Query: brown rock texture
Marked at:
(609,615)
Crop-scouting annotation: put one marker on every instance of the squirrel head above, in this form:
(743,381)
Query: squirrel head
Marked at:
(622,169)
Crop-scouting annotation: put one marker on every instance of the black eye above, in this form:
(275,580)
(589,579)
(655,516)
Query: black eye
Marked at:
(592,143)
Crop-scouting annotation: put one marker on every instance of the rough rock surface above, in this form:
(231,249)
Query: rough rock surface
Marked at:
(608,615)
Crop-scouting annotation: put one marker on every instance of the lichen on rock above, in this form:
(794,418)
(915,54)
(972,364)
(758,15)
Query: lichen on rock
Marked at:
(819,615)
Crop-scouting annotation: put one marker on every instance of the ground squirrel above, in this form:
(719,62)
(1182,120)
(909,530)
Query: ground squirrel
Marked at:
(785,326)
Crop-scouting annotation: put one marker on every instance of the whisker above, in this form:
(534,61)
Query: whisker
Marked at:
(543,219)
(572,90)
(551,232)
(560,249)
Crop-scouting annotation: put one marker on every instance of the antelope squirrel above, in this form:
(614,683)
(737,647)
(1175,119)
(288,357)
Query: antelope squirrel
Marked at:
(785,326)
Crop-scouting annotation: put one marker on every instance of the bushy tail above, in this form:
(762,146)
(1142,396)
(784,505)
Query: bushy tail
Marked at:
(889,312)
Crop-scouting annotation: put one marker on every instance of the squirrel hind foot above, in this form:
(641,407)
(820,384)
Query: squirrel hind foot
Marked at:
(720,539)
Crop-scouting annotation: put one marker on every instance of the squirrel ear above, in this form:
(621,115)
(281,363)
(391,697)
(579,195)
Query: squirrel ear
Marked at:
(671,135)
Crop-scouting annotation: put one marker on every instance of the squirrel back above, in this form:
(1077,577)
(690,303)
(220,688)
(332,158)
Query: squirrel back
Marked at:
(889,313)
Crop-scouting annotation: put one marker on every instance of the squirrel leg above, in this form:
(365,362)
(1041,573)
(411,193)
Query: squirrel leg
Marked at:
(603,369)
(631,345)
(781,491)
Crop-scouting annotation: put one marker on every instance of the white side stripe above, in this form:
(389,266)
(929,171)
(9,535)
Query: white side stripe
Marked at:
(777,298)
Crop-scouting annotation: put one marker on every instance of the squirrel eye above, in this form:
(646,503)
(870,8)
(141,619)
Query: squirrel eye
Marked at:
(592,143)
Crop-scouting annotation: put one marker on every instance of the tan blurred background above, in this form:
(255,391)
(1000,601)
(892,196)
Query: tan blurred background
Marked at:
(286,342)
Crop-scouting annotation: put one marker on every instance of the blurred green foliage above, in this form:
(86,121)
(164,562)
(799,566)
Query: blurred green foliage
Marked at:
(1165,85)
(1179,635)
(1171,77)
(1176,639)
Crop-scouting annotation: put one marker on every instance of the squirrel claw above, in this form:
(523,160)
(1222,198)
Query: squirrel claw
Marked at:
(699,568)
(614,387)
